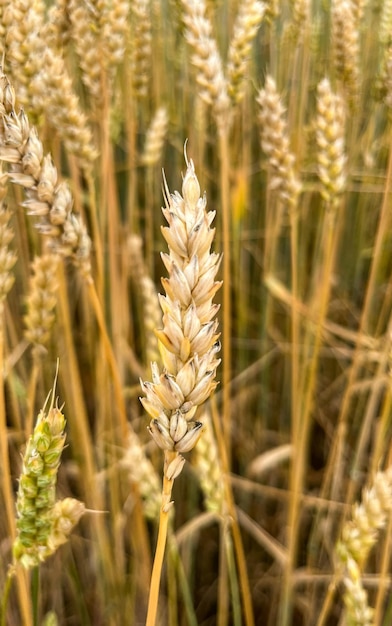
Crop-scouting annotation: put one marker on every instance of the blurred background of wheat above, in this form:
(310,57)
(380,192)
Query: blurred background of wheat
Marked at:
(286,109)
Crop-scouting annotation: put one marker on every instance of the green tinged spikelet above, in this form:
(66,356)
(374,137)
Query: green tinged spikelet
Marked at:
(43,524)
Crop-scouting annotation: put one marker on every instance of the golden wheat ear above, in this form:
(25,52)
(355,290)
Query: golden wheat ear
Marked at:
(188,343)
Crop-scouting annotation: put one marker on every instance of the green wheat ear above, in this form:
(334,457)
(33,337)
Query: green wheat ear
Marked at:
(43,524)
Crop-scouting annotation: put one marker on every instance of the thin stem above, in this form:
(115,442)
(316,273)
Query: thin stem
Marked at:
(183,582)
(4,600)
(223,590)
(35,594)
(238,546)
(118,391)
(161,542)
(6,486)
(226,297)
(301,433)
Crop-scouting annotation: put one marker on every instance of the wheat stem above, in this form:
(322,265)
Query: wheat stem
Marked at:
(161,541)
(226,332)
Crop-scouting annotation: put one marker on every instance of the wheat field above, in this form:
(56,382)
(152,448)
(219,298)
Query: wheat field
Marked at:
(196,312)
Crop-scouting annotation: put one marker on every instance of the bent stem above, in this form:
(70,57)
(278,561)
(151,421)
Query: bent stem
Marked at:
(161,541)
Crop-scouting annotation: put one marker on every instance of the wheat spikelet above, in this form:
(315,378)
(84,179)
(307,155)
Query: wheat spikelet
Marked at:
(141,47)
(248,20)
(41,300)
(207,60)
(49,200)
(330,140)
(43,524)
(155,138)
(358,537)
(189,339)
(345,45)
(275,143)
(65,515)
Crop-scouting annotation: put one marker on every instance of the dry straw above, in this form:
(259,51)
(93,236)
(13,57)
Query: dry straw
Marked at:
(188,342)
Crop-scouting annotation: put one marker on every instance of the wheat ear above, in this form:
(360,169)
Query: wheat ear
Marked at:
(188,342)
(275,143)
(43,524)
(330,128)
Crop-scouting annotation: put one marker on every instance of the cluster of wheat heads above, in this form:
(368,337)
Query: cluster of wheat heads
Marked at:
(283,510)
